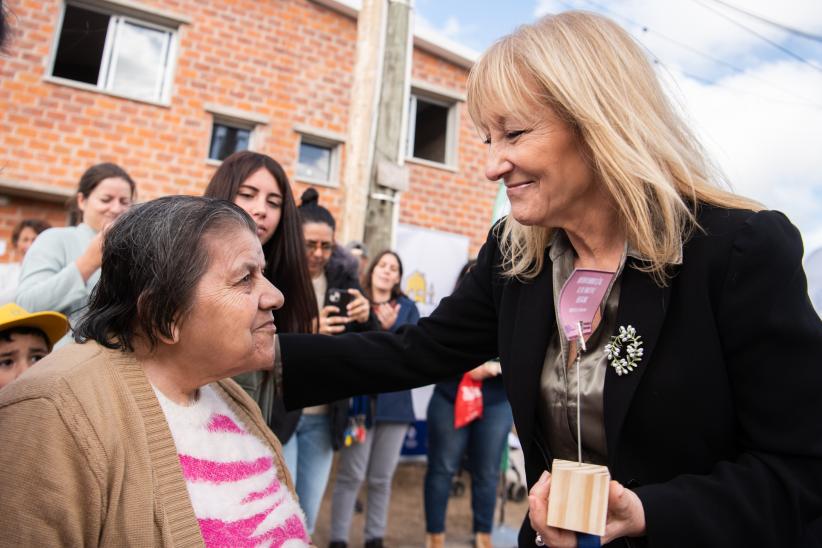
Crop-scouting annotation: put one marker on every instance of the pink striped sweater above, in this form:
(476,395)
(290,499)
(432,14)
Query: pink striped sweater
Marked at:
(231,477)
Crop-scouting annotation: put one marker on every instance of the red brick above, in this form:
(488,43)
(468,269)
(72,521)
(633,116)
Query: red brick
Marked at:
(290,61)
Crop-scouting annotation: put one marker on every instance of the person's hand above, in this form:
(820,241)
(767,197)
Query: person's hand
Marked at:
(359,307)
(387,314)
(485,371)
(92,257)
(330,322)
(626,516)
(538,515)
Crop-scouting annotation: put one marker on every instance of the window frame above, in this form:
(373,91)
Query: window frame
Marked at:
(161,91)
(218,120)
(451,130)
(232,117)
(323,139)
(119,13)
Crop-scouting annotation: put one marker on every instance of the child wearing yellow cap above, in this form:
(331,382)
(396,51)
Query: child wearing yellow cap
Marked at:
(26,338)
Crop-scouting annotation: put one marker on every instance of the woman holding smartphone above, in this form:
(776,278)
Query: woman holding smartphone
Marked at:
(373,457)
(321,429)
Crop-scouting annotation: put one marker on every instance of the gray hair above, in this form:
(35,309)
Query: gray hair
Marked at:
(153,258)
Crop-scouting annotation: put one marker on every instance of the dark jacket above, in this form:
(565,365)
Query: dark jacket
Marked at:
(282,422)
(718,431)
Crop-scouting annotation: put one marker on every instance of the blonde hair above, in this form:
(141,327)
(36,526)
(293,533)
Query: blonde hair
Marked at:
(596,78)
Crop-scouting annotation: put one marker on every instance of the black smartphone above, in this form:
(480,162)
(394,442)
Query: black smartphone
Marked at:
(339,298)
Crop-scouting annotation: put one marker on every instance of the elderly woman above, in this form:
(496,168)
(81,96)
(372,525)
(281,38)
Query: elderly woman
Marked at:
(138,436)
(715,436)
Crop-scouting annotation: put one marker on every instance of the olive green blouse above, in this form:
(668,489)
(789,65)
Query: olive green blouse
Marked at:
(557,407)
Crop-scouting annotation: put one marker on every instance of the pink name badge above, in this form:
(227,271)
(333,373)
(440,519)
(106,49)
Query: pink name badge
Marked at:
(580,298)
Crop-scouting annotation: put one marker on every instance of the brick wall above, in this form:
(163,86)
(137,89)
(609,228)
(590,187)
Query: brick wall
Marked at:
(290,61)
(442,199)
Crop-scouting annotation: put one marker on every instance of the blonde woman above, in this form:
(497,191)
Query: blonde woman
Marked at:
(714,437)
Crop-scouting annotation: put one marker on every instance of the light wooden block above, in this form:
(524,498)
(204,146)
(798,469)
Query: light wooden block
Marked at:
(579,497)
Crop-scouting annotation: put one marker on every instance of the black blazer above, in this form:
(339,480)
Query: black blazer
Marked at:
(718,431)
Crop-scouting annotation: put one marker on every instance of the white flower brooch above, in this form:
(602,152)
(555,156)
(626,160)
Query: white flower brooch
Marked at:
(633,351)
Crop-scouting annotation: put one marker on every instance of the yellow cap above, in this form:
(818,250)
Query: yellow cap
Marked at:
(53,324)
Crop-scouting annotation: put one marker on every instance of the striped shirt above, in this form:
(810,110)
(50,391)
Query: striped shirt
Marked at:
(231,477)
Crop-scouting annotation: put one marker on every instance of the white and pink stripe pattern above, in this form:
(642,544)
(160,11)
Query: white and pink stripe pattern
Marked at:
(232,478)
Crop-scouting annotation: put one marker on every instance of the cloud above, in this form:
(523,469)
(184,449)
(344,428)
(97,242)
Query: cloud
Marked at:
(452,33)
(675,29)
(452,28)
(765,141)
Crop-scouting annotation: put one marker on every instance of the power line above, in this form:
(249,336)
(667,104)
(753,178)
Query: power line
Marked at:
(791,30)
(731,66)
(705,81)
(780,47)
(805,101)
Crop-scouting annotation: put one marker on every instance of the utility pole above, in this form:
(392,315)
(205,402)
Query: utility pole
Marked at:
(375,173)
(365,94)
(389,175)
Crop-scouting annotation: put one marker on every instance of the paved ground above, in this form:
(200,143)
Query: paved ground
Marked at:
(406,522)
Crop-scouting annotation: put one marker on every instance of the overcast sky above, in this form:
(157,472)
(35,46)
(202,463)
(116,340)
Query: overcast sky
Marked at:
(757,108)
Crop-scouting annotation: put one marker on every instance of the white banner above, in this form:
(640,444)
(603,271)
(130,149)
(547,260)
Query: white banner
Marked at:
(431,260)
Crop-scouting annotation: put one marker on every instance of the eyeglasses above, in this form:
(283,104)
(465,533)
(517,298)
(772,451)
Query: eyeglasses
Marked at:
(325,247)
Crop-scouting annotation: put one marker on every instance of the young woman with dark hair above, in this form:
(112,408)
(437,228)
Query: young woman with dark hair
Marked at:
(63,264)
(258,184)
(375,458)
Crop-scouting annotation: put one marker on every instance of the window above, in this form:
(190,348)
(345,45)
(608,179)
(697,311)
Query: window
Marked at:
(314,161)
(232,130)
(115,53)
(431,130)
(318,159)
(227,139)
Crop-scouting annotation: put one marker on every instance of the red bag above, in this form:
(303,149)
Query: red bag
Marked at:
(468,403)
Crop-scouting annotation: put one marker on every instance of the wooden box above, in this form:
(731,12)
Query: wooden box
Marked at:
(579,497)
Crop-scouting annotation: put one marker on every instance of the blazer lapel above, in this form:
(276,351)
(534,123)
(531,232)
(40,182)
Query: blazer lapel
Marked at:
(642,304)
(534,320)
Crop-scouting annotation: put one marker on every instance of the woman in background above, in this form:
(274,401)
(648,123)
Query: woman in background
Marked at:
(375,458)
(63,264)
(22,237)
(482,440)
(321,429)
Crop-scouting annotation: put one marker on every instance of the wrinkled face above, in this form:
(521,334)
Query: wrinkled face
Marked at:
(17,355)
(547,178)
(386,274)
(230,327)
(319,243)
(109,199)
(24,241)
(260,197)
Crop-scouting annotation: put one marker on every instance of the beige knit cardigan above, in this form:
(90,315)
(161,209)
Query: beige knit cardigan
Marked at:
(87,458)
